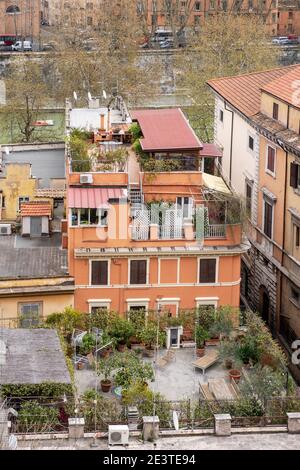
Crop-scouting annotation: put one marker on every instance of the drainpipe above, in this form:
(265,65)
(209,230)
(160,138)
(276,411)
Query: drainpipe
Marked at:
(231,139)
(284,216)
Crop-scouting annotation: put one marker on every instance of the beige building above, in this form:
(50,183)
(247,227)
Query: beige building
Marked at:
(265,170)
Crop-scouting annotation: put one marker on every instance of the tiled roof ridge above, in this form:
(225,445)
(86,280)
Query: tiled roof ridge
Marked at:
(274,69)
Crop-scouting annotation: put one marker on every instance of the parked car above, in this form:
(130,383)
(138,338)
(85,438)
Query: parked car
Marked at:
(281,40)
(22,46)
(167,44)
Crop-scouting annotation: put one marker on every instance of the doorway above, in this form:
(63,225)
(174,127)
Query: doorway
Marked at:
(35,226)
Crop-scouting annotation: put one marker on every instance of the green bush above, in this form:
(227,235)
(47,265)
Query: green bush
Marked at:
(33,418)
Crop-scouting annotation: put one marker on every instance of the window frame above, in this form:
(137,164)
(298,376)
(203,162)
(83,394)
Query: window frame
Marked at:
(201,258)
(20,305)
(91,261)
(271,204)
(275,111)
(268,171)
(99,303)
(147,271)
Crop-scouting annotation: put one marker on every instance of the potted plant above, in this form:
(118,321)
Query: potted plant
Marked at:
(201,335)
(105,367)
(235,374)
(228,353)
(151,336)
(121,329)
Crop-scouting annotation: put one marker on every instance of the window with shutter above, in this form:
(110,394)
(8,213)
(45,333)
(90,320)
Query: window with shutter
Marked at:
(138,272)
(275,111)
(295,175)
(99,273)
(271,159)
(207,273)
(268,219)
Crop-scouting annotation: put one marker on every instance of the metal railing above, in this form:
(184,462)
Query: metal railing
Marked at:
(171,232)
(215,231)
(140,233)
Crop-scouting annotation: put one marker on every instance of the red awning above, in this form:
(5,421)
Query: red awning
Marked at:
(93,198)
(211,150)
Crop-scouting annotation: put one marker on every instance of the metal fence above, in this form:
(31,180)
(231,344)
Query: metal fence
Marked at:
(41,415)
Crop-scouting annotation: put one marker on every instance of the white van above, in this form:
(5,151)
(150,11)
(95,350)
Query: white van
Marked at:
(22,46)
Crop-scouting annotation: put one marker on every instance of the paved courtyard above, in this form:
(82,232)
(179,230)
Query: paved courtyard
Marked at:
(177,380)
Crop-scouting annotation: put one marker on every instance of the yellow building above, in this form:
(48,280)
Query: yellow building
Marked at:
(16,186)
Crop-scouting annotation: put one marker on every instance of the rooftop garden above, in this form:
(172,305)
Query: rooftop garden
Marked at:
(121,351)
(87,156)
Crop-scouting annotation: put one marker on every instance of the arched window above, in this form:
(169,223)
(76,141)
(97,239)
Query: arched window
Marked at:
(12,9)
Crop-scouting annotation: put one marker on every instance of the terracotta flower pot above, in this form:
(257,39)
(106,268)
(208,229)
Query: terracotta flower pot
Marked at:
(235,375)
(228,363)
(200,352)
(149,352)
(121,347)
(106,385)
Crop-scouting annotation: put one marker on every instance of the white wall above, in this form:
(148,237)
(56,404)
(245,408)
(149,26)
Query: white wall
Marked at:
(245,162)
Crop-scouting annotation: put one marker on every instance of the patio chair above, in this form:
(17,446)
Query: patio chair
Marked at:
(206,361)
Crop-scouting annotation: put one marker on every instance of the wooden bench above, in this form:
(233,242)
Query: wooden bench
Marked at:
(205,392)
(206,361)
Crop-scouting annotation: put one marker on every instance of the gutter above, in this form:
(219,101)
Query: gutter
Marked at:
(231,138)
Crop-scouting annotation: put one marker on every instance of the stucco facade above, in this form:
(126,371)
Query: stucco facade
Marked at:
(20,18)
(271,270)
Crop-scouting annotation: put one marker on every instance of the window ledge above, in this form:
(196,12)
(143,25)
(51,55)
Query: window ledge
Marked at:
(270,173)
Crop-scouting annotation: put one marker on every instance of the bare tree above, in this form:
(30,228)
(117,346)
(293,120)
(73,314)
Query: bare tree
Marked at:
(27,94)
(226,45)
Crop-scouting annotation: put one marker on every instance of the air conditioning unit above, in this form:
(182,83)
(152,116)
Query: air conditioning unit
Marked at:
(118,435)
(5,229)
(86,179)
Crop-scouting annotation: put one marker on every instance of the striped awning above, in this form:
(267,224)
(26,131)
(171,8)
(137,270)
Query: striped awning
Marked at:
(93,198)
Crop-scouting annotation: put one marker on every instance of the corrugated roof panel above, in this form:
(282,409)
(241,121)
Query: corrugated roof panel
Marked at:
(165,129)
(92,198)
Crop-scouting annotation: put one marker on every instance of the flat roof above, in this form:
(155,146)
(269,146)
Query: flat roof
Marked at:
(24,258)
(165,129)
(33,356)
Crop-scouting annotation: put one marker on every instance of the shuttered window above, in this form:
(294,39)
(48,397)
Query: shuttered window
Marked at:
(99,273)
(295,175)
(268,219)
(275,111)
(207,273)
(138,272)
(271,159)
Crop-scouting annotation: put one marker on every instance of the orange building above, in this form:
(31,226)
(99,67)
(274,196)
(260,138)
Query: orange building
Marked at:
(281,17)
(20,18)
(153,232)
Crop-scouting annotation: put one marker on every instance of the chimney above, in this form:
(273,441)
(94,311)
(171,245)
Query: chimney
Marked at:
(108,119)
(102,122)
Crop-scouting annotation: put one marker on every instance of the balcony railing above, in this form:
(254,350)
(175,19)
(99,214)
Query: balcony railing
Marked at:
(175,232)
(140,233)
(215,231)
(171,232)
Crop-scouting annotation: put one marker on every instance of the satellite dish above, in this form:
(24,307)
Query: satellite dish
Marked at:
(12,442)
(90,96)
(104,94)
(75,95)
(175,420)
(6,150)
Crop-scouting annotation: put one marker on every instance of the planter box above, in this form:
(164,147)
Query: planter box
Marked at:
(188,344)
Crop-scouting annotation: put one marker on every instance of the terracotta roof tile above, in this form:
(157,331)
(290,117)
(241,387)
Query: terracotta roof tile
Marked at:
(244,91)
(286,87)
(35,209)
